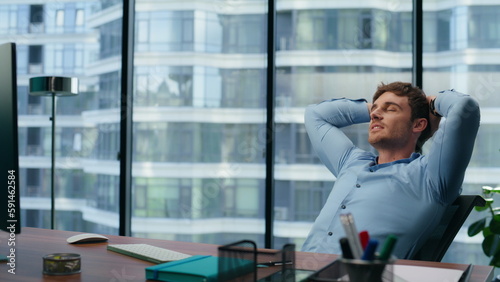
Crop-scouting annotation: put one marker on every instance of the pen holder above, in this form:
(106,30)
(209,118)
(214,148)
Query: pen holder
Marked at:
(368,270)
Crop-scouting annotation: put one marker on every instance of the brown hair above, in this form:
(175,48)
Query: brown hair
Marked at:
(417,101)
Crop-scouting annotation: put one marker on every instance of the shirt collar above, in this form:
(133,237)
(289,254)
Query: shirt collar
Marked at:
(375,166)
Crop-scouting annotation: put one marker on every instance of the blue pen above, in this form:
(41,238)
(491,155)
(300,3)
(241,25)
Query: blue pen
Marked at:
(370,249)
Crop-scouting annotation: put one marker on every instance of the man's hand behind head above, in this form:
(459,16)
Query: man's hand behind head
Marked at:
(433,119)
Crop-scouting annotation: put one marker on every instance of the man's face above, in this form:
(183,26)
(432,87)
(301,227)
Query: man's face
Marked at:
(390,122)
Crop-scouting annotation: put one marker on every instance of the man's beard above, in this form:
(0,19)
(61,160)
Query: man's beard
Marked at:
(397,139)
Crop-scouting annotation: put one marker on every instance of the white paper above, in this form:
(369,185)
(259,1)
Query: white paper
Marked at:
(410,273)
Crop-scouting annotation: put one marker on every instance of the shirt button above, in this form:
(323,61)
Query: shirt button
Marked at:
(330,233)
(357,185)
(343,207)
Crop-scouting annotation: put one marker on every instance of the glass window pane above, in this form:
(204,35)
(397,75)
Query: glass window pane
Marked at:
(327,52)
(460,53)
(87,125)
(199,119)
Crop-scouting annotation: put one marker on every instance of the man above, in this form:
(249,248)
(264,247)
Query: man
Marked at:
(400,191)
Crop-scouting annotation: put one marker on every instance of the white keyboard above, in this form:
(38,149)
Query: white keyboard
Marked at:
(148,252)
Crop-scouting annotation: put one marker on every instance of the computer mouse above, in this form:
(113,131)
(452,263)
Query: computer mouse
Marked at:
(86,238)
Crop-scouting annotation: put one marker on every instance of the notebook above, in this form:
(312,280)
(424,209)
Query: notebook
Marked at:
(200,268)
(148,252)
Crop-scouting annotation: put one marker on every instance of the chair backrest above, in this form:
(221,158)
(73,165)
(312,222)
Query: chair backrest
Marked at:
(453,218)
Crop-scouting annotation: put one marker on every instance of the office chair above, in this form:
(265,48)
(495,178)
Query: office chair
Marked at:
(453,218)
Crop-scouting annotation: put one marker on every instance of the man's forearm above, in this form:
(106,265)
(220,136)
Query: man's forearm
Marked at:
(453,142)
(322,123)
(339,112)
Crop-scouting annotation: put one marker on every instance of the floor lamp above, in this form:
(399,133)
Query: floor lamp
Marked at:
(53,86)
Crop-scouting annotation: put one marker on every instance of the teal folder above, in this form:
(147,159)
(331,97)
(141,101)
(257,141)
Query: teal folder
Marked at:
(196,269)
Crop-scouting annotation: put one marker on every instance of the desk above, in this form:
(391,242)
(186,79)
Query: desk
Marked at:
(99,264)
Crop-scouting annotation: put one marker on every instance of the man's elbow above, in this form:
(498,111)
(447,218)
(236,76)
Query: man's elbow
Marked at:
(310,114)
(470,110)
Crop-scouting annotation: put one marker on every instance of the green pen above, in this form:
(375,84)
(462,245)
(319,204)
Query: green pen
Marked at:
(387,248)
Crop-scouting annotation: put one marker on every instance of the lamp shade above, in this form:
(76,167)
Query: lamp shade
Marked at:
(53,85)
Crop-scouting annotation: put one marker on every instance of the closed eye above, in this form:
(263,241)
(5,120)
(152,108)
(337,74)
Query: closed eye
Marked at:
(392,107)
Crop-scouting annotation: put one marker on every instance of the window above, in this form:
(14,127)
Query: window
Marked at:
(60,18)
(35,59)
(309,199)
(242,88)
(107,145)
(109,89)
(311,30)
(284,30)
(79,17)
(165,31)
(303,152)
(34,104)
(9,14)
(471,33)
(110,41)
(34,141)
(36,14)
(33,182)
(443,30)
(158,197)
(157,135)
(243,33)
(164,86)
(331,44)
(86,148)
(365,31)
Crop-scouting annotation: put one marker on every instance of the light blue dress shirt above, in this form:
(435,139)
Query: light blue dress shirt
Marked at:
(407,197)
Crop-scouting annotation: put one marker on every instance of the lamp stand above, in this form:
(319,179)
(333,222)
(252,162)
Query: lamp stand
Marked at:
(53,86)
(53,165)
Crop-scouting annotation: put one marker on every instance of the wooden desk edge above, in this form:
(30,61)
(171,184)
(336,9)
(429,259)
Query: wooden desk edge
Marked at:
(304,260)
